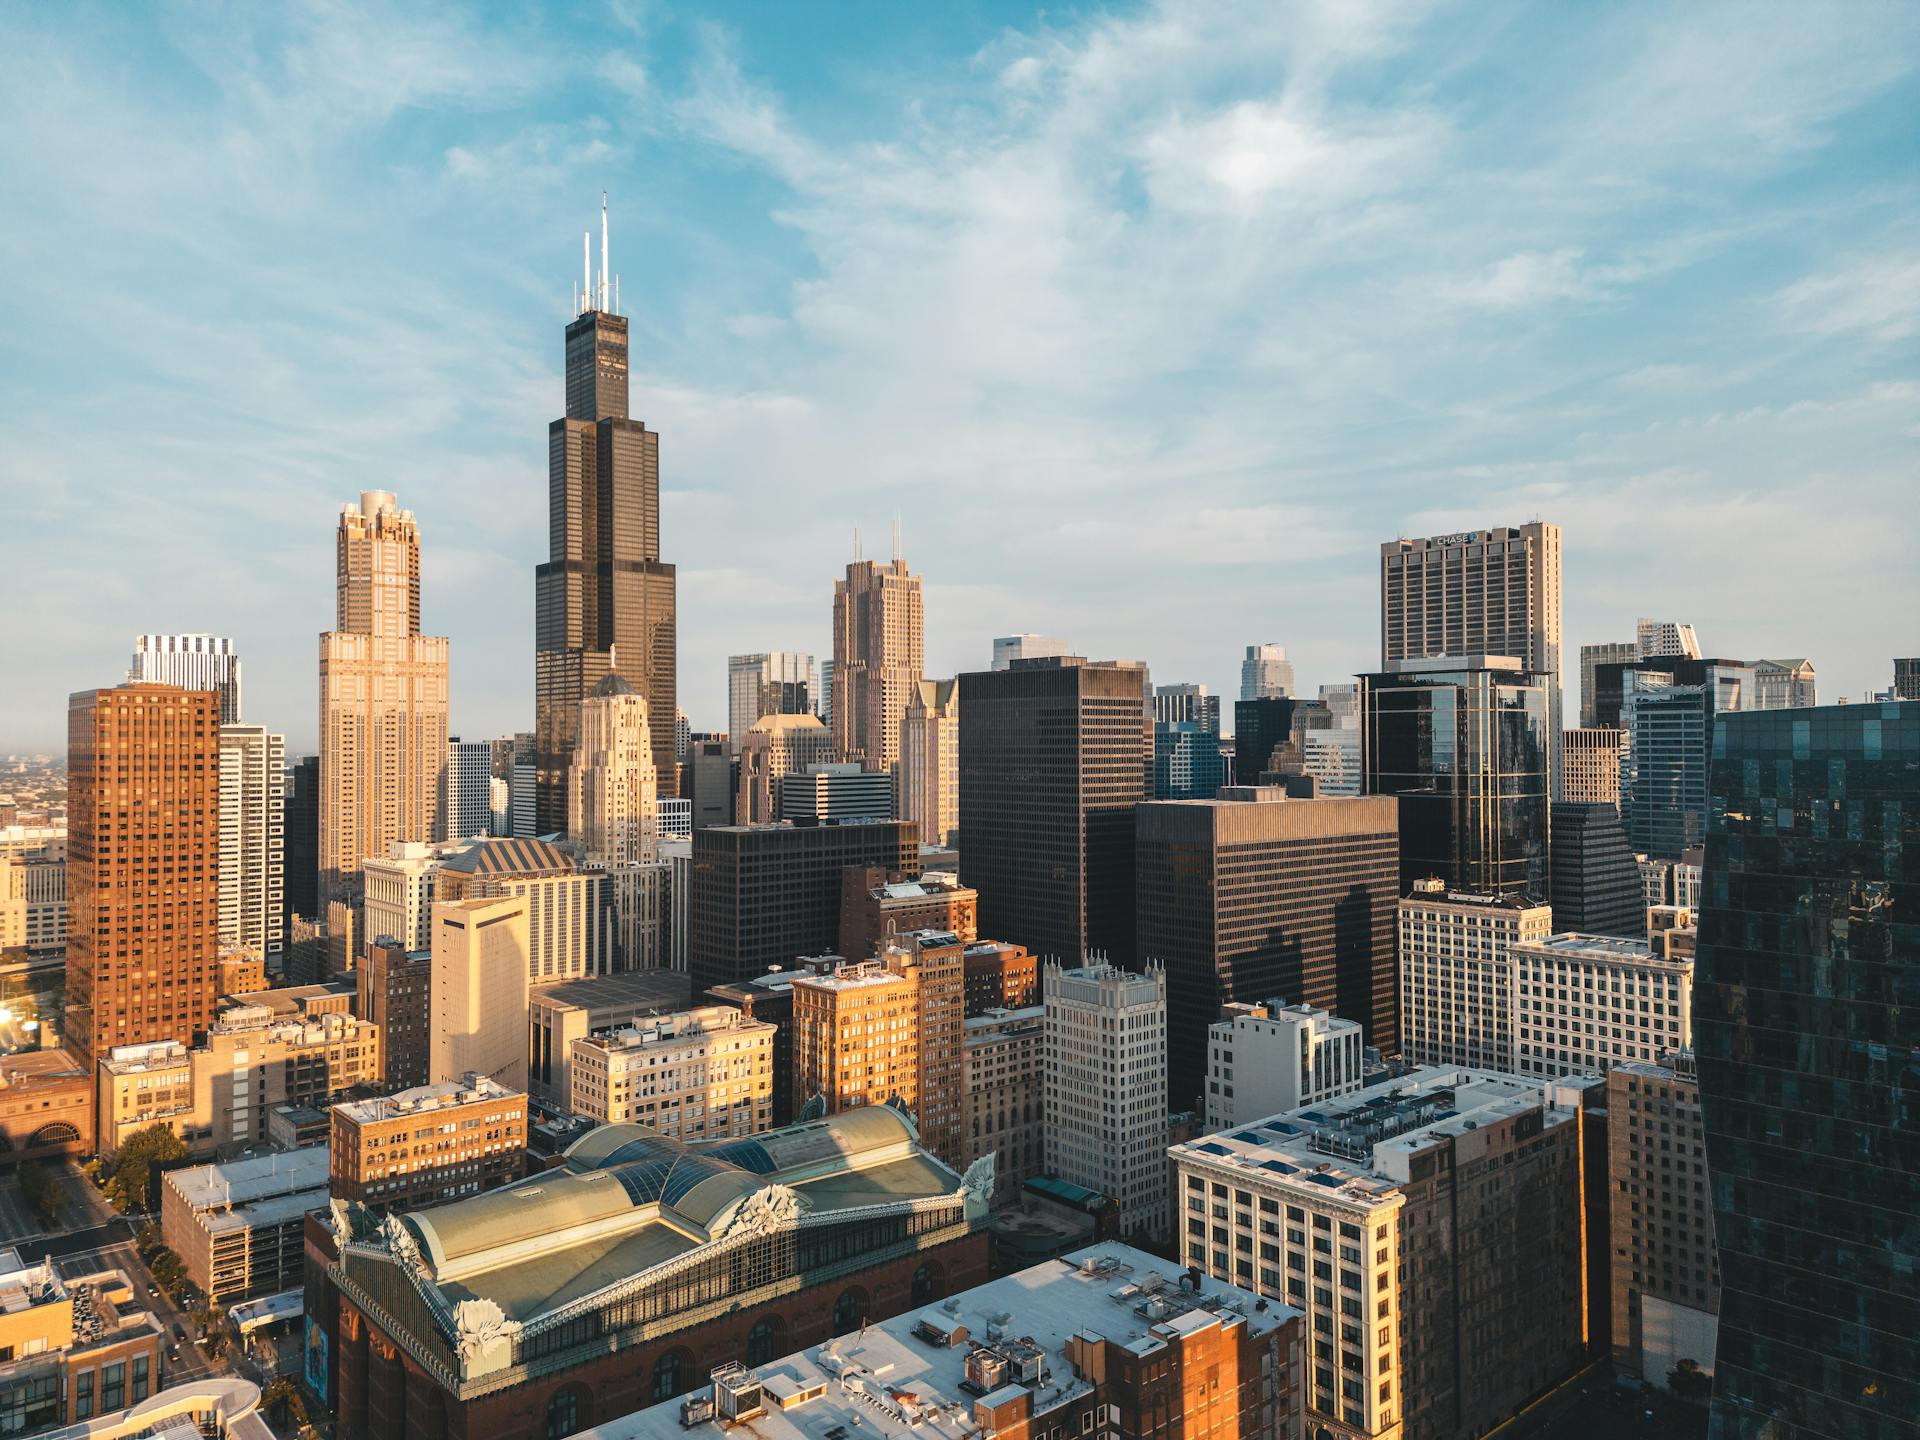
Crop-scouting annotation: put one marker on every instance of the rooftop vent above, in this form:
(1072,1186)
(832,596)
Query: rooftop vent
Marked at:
(736,1393)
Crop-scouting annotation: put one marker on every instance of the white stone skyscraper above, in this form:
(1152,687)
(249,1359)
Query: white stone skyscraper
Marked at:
(253,830)
(612,787)
(193,662)
(1106,1087)
(927,785)
(1266,673)
(1025,646)
(383,699)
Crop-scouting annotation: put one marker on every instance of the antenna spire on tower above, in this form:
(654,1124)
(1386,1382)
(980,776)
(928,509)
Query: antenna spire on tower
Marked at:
(896,539)
(856,545)
(586,270)
(603,250)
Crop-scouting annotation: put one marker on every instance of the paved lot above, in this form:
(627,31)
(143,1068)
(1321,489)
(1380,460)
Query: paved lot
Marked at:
(16,1216)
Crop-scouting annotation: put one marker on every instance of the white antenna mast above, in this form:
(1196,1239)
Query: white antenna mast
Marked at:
(586,270)
(896,539)
(603,250)
(856,545)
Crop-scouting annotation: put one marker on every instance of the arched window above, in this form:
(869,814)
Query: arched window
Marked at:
(926,1284)
(849,1311)
(563,1413)
(666,1376)
(765,1342)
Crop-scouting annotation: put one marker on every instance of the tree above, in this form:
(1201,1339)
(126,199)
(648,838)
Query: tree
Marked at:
(133,1181)
(43,1194)
(1689,1382)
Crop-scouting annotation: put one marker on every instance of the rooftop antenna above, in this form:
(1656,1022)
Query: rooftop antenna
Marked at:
(586,271)
(857,556)
(896,539)
(603,250)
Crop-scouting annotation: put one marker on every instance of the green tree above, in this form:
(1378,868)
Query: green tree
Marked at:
(43,1194)
(1689,1382)
(133,1181)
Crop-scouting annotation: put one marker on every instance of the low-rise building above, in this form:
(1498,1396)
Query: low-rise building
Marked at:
(1585,1002)
(1456,974)
(625,1274)
(427,1145)
(218,1096)
(1420,1324)
(570,1010)
(237,1227)
(394,986)
(834,792)
(1263,1059)
(876,906)
(1666,1275)
(704,1074)
(71,1349)
(46,1105)
(1108,1341)
(1002,1079)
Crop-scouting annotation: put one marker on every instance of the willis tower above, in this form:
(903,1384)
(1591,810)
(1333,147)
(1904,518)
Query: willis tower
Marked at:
(603,600)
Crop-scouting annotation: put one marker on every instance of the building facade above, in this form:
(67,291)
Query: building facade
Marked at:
(1263,1059)
(1263,897)
(143,864)
(1591,765)
(1009,648)
(1187,705)
(612,788)
(192,662)
(774,747)
(778,682)
(1187,763)
(398,892)
(833,793)
(1583,1003)
(1456,974)
(1261,726)
(704,1074)
(253,839)
(1266,673)
(1420,1326)
(570,912)
(1003,1082)
(879,657)
(622,1277)
(393,990)
(466,800)
(1106,1086)
(876,907)
(1611,652)
(1783,684)
(1669,743)
(1806,947)
(1595,877)
(237,1227)
(927,783)
(1053,762)
(75,1348)
(427,1145)
(383,699)
(1464,745)
(561,1013)
(764,895)
(478,1004)
(1665,1276)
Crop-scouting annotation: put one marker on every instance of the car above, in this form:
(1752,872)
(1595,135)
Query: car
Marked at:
(179,1330)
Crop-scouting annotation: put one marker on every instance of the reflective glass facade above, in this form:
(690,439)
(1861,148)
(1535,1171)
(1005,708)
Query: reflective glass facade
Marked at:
(1464,746)
(1807,1030)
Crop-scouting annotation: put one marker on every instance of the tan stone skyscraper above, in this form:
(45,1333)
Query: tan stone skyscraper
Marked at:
(612,790)
(143,861)
(927,784)
(776,746)
(383,698)
(878,654)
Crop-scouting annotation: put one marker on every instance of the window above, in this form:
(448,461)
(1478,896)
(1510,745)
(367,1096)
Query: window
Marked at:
(666,1375)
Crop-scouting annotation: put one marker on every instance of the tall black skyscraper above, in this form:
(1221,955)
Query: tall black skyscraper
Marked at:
(1463,743)
(1596,881)
(1053,762)
(1259,728)
(303,838)
(1806,1021)
(603,600)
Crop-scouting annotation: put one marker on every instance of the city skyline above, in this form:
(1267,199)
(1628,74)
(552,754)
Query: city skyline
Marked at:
(1706,352)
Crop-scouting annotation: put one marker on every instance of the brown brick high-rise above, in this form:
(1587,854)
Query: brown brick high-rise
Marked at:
(143,855)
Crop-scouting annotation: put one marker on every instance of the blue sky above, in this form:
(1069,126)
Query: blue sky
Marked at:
(1148,323)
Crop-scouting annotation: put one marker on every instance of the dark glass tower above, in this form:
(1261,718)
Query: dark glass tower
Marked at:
(603,601)
(1806,1019)
(1053,763)
(1259,728)
(1596,881)
(1463,743)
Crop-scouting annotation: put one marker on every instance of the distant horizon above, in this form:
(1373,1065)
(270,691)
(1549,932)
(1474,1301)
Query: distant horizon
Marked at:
(1148,324)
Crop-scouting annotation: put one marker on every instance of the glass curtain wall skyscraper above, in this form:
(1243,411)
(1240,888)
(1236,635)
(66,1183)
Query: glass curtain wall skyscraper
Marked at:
(1807,1031)
(604,601)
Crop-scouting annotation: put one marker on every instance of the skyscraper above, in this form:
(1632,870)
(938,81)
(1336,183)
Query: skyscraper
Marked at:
(1187,763)
(383,698)
(878,656)
(1590,768)
(1186,705)
(1596,881)
(478,1011)
(1463,743)
(612,791)
(1009,648)
(1263,897)
(1906,678)
(1260,726)
(604,601)
(1657,638)
(1610,652)
(466,800)
(1266,673)
(1053,761)
(1670,728)
(143,866)
(1482,592)
(303,838)
(774,747)
(1106,1075)
(253,840)
(778,682)
(1456,974)
(192,662)
(1783,684)
(927,791)
(1805,1032)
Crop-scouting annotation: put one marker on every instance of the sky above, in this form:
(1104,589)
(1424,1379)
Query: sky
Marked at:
(1147,323)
